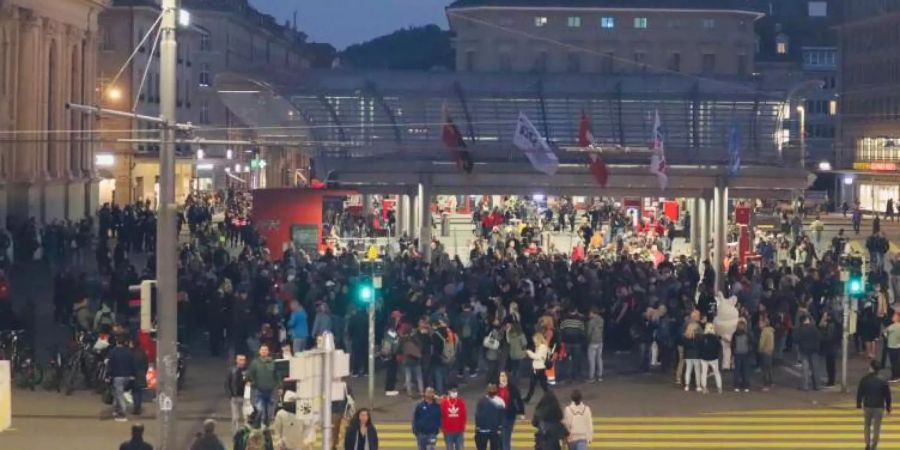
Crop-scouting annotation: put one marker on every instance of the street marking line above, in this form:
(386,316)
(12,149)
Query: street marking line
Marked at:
(734,445)
(710,427)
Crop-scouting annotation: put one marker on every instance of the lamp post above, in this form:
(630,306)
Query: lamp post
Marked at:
(801,110)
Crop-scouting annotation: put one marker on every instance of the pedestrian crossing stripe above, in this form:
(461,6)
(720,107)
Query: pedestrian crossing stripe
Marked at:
(812,428)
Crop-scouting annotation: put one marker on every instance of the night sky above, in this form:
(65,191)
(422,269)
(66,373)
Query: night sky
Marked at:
(345,22)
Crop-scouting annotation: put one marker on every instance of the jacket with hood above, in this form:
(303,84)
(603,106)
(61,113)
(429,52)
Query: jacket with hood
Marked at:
(579,422)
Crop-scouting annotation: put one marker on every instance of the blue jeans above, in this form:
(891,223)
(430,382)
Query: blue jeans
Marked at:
(454,441)
(426,441)
(410,371)
(263,405)
(118,385)
(506,433)
(580,444)
(742,371)
(440,378)
(299,344)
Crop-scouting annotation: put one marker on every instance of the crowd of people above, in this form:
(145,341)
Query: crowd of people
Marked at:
(516,317)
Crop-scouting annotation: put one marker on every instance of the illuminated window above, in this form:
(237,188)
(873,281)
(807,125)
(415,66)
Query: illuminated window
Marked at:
(540,21)
(608,22)
(709,23)
(574,22)
(781,44)
(832,107)
(640,22)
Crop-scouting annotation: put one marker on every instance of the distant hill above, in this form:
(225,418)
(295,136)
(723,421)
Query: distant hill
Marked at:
(417,48)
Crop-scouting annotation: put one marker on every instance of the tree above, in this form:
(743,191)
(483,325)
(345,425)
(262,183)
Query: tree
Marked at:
(417,48)
(321,55)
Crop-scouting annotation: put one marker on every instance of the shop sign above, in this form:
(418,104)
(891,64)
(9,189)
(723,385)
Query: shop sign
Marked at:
(878,166)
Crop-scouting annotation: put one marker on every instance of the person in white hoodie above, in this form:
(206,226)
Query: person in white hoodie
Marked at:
(578,420)
(294,427)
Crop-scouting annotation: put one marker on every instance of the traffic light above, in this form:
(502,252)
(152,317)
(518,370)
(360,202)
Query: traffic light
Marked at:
(365,292)
(855,285)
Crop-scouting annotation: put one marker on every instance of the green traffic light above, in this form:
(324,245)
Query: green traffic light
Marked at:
(855,286)
(365,294)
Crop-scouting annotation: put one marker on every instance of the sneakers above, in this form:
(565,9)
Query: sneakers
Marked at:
(765,389)
(120,419)
(737,390)
(699,389)
(746,390)
(687,389)
(392,393)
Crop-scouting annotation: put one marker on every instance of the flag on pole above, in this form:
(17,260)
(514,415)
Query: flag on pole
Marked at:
(528,139)
(734,150)
(596,164)
(454,141)
(658,165)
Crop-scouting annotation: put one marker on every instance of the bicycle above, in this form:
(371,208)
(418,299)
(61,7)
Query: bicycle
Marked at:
(25,370)
(82,363)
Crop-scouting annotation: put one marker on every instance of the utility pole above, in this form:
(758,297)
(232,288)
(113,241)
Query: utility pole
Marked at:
(166,234)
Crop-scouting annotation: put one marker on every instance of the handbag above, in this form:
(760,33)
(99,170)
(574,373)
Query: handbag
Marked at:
(490,342)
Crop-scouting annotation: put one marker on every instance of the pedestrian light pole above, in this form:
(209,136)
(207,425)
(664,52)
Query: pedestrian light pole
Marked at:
(166,234)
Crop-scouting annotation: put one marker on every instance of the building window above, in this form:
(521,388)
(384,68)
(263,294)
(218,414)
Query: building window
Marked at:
(674,24)
(470,61)
(204,112)
(640,22)
(708,63)
(819,58)
(742,64)
(781,44)
(608,22)
(205,42)
(574,22)
(540,21)
(640,58)
(205,79)
(607,62)
(540,63)
(573,63)
(832,107)
(505,62)
(106,39)
(817,9)
(674,64)
(709,23)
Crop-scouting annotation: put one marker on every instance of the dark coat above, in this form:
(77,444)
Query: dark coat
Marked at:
(352,432)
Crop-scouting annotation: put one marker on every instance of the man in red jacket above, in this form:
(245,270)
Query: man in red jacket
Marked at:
(453,419)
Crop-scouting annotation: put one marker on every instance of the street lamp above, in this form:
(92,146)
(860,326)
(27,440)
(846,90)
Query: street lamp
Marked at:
(114,94)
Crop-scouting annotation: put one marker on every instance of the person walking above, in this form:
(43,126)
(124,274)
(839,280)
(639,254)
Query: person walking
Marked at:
(235,383)
(873,396)
(830,333)
(207,439)
(741,344)
(426,421)
(892,340)
(515,407)
(121,371)
(766,351)
(361,433)
(710,352)
(489,414)
(453,419)
(137,439)
(141,365)
(547,419)
(292,429)
(595,327)
(538,365)
(579,422)
(808,343)
(261,376)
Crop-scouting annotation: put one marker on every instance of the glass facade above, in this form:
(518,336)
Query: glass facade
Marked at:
(874,197)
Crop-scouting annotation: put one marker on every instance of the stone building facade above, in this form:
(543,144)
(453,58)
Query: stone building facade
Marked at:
(48,57)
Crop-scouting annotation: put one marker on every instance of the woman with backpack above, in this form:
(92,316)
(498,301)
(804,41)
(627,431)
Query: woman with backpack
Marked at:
(539,358)
(579,423)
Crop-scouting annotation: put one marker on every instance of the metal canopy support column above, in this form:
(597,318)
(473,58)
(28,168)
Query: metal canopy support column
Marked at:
(693,209)
(619,122)
(342,136)
(425,229)
(719,233)
(703,214)
(543,105)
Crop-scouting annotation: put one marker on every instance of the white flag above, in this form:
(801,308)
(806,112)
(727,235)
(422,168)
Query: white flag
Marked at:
(530,141)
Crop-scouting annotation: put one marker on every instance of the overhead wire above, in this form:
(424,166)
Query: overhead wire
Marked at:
(140,88)
(134,52)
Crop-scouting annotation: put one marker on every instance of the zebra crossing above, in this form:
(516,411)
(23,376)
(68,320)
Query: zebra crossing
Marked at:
(812,428)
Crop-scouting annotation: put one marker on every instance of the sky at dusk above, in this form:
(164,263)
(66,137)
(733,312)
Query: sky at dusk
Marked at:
(345,22)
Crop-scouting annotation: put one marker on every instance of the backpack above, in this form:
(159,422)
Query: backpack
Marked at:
(448,354)
(390,345)
(105,318)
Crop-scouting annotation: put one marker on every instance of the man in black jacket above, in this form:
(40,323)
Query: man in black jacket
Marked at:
(122,371)
(874,397)
(807,339)
(137,439)
(489,420)
(234,385)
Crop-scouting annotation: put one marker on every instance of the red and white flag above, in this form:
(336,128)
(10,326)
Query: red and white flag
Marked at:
(596,164)
(658,165)
(454,141)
